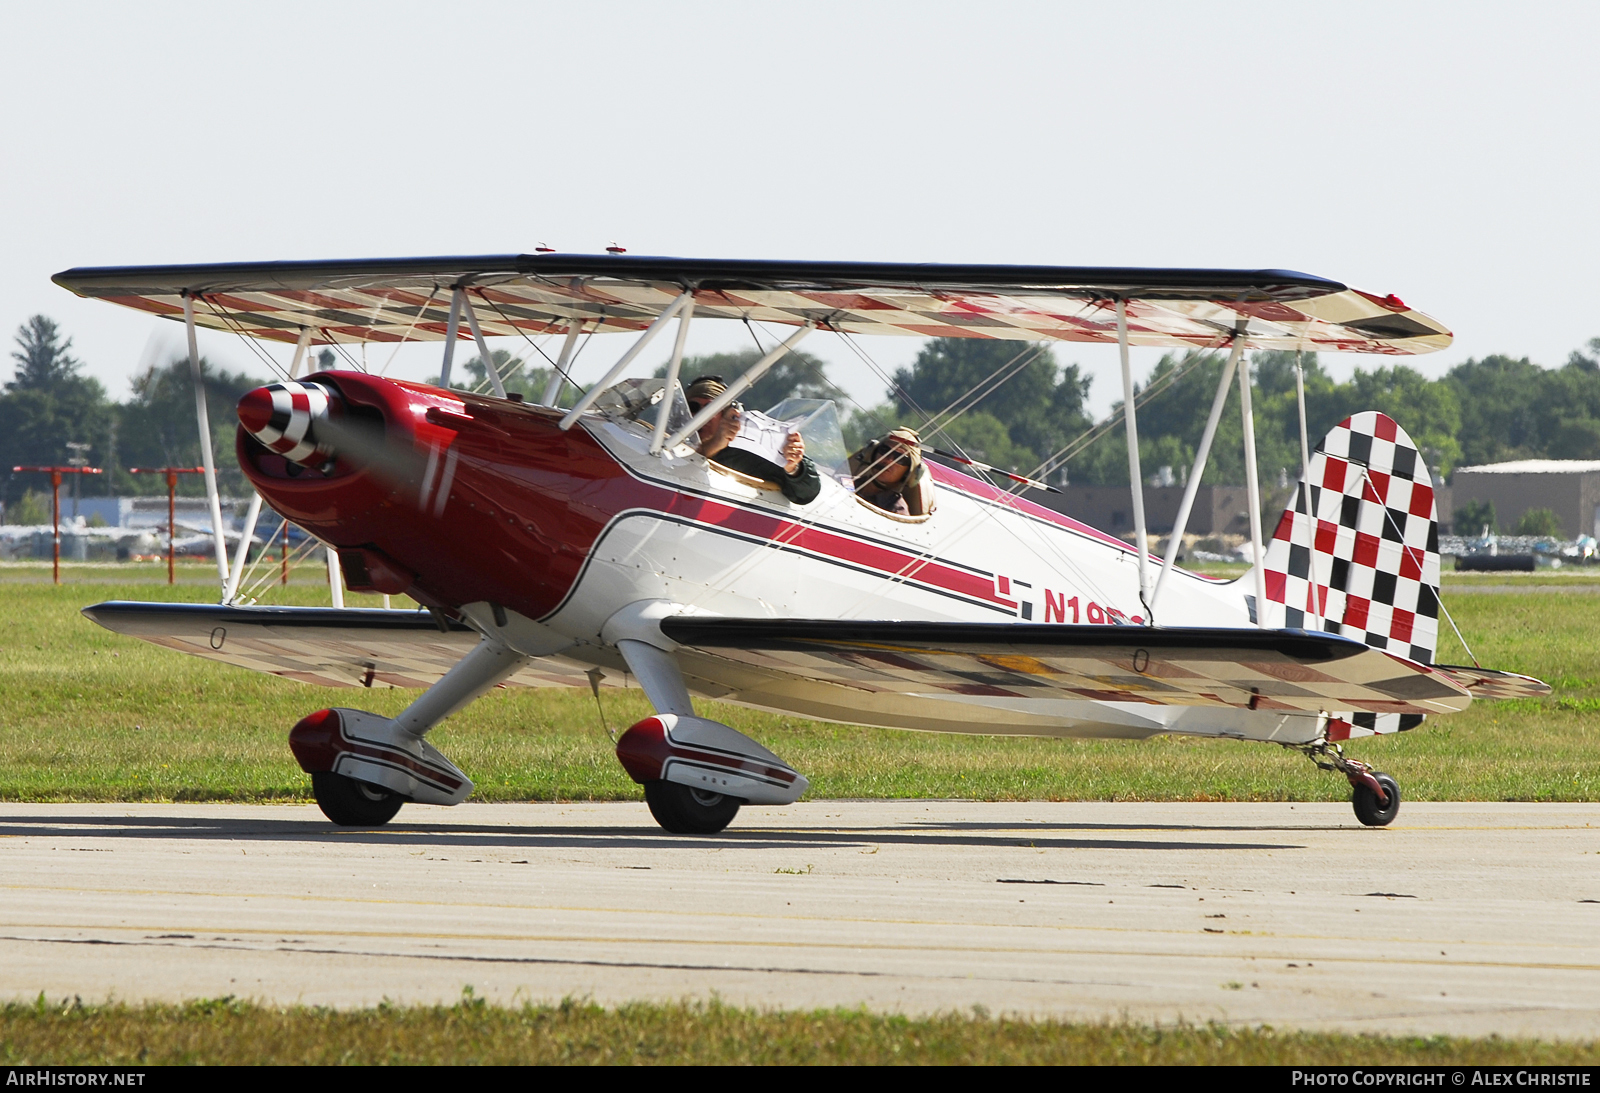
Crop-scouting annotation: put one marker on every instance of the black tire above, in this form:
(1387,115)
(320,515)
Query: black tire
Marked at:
(684,810)
(1366,805)
(350,803)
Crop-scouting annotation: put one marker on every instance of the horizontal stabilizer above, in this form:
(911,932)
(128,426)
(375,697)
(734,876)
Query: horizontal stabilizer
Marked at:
(1487,683)
(1283,670)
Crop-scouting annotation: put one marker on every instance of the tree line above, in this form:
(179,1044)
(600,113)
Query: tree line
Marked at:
(49,402)
(1011,404)
(1481,411)
(1016,406)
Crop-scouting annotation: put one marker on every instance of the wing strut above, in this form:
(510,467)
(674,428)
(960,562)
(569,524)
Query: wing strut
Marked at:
(1305,483)
(627,358)
(1135,478)
(456,296)
(483,347)
(242,554)
(1182,523)
(1252,486)
(658,438)
(335,576)
(219,541)
(230,590)
(552,390)
(737,388)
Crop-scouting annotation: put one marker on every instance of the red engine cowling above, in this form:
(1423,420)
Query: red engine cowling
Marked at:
(444,495)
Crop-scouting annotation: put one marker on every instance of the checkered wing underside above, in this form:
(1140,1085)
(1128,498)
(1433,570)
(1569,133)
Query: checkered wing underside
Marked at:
(546,294)
(1239,669)
(321,646)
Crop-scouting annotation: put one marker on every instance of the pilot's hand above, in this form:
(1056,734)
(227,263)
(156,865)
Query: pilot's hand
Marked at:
(729,423)
(794,450)
(719,432)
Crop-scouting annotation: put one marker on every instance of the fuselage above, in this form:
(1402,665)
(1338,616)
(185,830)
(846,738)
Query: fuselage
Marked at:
(489,501)
(567,526)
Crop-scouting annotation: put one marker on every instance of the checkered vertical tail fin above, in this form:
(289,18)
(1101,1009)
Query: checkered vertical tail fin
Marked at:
(1357,551)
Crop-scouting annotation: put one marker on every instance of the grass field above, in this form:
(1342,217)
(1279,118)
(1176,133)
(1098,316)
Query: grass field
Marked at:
(88,715)
(230,1032)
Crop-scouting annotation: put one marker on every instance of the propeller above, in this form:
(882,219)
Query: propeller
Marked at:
(308,423)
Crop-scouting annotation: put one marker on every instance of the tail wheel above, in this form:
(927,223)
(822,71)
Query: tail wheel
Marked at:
(684,810)
(1368,809)
(350,803)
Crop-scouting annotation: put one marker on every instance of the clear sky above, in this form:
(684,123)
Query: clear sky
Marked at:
(1447,153)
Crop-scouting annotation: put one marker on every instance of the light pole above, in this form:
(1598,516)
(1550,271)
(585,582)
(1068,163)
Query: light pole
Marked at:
(55,474)
(172,474)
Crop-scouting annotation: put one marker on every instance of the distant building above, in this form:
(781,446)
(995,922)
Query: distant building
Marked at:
(1218,510)
(151,511)
(1568,487)
(145,512)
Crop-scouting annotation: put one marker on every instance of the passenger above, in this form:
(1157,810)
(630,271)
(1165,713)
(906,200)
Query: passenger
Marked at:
(797,477)
(890,474)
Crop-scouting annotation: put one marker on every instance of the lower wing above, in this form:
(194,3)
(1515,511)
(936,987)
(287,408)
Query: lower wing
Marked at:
(322,645)
(1272,670)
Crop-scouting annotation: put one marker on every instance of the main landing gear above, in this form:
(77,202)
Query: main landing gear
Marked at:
(696,773)
(350,803)
(364,767)
(1375,796)
(689,810)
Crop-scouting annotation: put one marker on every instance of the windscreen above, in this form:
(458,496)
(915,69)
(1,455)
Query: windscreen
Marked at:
(640,400)
(817,422)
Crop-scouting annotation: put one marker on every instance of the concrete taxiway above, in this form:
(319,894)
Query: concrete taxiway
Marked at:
(1461,918)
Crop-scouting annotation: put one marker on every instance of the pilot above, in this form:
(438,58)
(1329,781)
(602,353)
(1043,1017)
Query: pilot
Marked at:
(890,474)
(797,478)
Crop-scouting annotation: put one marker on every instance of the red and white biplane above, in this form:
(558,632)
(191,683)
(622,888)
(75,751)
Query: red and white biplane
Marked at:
(564,546)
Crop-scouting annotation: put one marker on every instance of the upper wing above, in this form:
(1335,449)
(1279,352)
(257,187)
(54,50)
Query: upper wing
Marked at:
(1249,669)
(409,300)
(321,645)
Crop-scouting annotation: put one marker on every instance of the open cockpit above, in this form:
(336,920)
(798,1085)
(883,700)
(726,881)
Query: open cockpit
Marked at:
(638,405)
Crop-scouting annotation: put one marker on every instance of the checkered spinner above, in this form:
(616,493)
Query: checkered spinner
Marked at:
(1367,565)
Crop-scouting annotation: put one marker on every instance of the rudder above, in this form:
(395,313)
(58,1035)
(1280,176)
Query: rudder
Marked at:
(1367,567)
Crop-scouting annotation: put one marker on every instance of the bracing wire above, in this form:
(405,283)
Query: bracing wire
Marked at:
(900,392)
(1416,559)
(1083,440)
(250,342)
(566,373)
(255,563)
(984,387)
(406,337)
(296,556)
(983,510)
(339,349)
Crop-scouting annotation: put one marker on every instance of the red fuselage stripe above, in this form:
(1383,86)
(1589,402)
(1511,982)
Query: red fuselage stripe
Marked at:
(779,532)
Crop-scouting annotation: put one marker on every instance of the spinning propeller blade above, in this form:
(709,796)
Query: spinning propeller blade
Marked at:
(309,424)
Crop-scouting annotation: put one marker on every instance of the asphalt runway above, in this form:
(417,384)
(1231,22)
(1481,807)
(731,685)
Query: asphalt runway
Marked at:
(1461,918)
